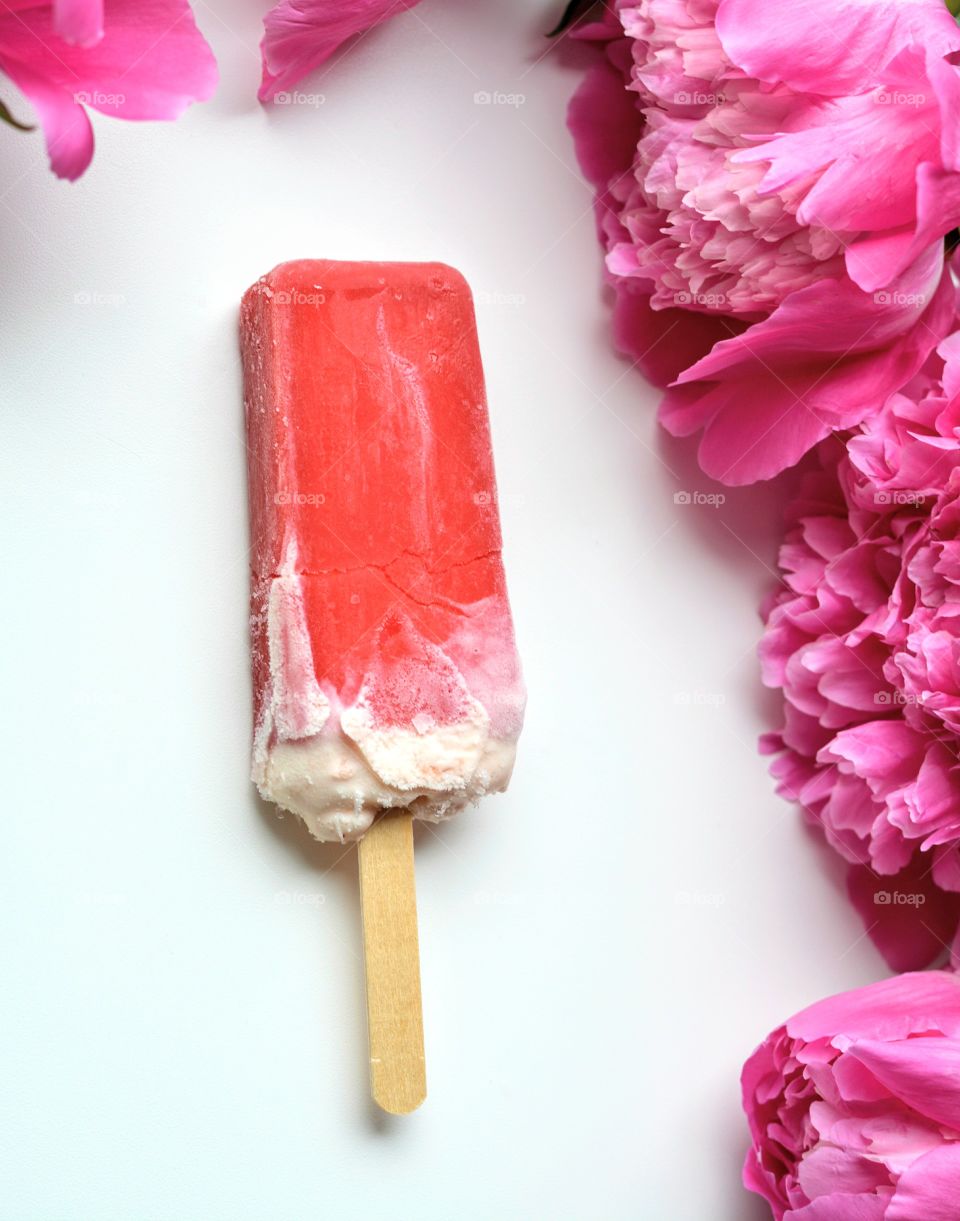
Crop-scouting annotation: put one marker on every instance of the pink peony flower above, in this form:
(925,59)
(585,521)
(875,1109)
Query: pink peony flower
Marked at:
(864,640)
(854,1106)
(781,281)
(150,63)
(300,34)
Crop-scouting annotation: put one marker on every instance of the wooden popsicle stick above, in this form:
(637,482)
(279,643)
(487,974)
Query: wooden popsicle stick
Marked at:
(388,900)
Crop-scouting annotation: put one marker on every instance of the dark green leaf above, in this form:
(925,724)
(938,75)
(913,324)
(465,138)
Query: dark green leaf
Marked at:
(7,117)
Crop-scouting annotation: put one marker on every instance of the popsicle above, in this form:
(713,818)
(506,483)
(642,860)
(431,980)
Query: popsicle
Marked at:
(385,669)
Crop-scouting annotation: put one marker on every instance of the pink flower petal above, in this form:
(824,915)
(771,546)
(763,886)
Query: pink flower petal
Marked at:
(923,1073)
(908,917)
(827,1171)
(827,357)
(831,47)
(605,125)
(875,259)
(930,1189)
(300,34)
(151,64)
(662,343)
(891,1009)
(65,124)
(841,1208)
(79,21)
(827,142)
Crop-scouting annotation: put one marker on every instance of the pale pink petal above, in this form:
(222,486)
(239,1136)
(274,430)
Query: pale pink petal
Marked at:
(923,1073)
(781,165)
(830,47)
(826,358)
(841,1208)
(929,1190)
(875,259)
(827,1171)
(300,34)
(844,191)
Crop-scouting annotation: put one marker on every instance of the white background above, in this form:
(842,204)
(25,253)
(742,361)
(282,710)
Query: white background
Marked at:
(182,1016)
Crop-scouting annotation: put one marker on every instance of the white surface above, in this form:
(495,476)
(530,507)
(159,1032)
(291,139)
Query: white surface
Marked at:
(182,1013)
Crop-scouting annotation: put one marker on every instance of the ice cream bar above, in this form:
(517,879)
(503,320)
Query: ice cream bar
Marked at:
(384,663)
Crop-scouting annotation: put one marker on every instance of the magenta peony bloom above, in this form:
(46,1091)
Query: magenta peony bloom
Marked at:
(864,640)
(781,280)
(150,63)
(854,1106)
(300,34)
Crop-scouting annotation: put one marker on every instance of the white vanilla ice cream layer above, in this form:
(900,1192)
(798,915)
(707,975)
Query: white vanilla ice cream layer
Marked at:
(337,768)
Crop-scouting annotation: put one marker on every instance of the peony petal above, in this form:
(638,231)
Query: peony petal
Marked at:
(910,919)
(841,1208)
(929,1190)
(891,1009)
(65,124)
(79,21)
(923,1073)
(826,1171)
(151,64)
(830,47)
(875,259)
(605,124)
(827,357)
(300,34)
(661,343)
(885,753)
(822,154)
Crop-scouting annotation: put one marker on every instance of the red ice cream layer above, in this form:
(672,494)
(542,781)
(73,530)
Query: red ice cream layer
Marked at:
(371,476)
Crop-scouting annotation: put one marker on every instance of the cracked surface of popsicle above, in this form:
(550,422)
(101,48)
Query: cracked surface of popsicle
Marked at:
(384,663)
